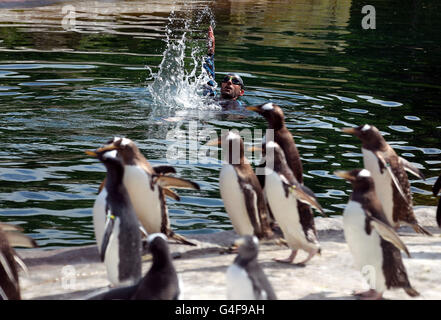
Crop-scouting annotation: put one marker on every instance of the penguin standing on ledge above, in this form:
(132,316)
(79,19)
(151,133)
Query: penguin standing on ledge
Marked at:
(160,282)
(10,236)
(389,174)
(436,189)
(147,188)
(276,122)
(240,190)
(283,193)
(245,278)
(121,240)
(372,241)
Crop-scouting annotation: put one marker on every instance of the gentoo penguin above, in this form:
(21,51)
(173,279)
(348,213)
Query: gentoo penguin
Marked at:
(240,190)
(10,236)
(161,281)
(120,247)
(372,241)
(281,135)
(276,121)
(389,173)
(436,189)
(283,193)
(147,188)
(245,278)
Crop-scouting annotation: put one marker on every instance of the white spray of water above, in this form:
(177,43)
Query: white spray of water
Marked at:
(178,85)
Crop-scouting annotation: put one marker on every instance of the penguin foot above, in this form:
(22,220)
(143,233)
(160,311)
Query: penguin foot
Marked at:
(310,255)
(230,249)
(290,259)
(371,294)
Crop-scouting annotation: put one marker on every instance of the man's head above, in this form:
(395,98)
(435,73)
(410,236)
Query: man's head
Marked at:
(232,86)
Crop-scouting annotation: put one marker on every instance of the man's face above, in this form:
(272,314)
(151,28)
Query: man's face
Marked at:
(229,90)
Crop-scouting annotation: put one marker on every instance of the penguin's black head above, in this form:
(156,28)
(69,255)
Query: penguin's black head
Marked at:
(360,178)
(369,135)
(274,155)
(158,245)
(272,113)
(248,248)
(126,148)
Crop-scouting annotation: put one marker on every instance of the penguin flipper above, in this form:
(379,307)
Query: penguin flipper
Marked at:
(251,205)
(173,182)
(437,186)
(409,167)
(102,185)
(169,193)
(388,233)
(384,164)
(181,239)
(10,227)
(107,233)
(164,169)
(303,194)
(17,239)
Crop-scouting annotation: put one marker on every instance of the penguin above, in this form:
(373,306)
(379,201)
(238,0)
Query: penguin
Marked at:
(283,193)
(374,244)
(389,173)
(120,247)
(240,190)
(436,189)
(161,282)
(281,135)
(245,278)
(11,236)
(276,121)
(99,206)
(147,188)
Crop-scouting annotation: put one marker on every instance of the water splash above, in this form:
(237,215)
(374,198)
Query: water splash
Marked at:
(178,85)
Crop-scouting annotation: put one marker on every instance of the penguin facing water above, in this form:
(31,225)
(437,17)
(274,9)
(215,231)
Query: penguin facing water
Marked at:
(374,244)
(283,193)
(245,278)
(240,189)
(283,137)
(147,187)
(120,245)
(389,174)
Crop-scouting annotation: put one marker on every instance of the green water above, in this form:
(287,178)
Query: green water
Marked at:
(63,92)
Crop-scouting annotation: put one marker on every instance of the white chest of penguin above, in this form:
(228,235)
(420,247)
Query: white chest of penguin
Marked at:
(383,182)
(234,200)
(111,258)
(366,249)
(146,202)
(284,208)
(239,286)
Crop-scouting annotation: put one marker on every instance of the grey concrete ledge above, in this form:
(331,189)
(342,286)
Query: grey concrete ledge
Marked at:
(72,273)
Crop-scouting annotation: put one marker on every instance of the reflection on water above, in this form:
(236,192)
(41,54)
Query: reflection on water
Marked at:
(133,68)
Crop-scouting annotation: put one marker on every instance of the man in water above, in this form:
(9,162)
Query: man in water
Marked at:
(232,86)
